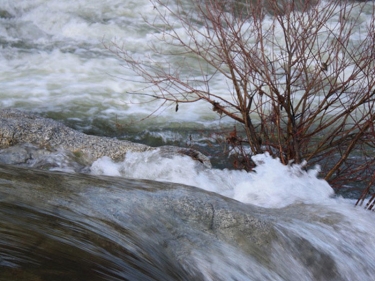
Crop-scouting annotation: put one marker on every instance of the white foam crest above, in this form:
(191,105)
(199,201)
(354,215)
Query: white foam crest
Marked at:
(276,184)
(272,185)
(79,65)
(80,19)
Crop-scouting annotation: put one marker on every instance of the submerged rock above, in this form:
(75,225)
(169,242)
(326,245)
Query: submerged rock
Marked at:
(151,226)
(17,127)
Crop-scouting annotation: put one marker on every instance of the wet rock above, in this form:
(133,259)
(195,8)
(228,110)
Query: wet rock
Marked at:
(4,14)
(200,230)
(17,127)
(15,155)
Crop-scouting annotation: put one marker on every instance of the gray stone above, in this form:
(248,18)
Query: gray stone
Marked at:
(186,224)
(17,127)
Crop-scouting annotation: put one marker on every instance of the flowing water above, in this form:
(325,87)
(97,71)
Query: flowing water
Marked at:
(53,62)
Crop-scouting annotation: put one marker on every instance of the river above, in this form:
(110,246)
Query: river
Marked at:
(53,63)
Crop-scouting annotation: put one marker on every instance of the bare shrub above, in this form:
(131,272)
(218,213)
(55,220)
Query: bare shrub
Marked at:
(300,75)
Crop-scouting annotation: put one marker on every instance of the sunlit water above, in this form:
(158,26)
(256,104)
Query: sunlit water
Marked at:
(53,62)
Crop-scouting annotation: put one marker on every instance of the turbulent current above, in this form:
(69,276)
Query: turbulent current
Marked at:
(148,217)
(59,226)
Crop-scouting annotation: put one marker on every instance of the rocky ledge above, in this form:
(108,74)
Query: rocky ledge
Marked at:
(207,235)
(18,127)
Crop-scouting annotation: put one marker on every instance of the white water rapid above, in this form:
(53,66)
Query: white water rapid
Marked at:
(54,63)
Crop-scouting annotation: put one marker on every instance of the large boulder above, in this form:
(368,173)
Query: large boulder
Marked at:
(17,127)
(148,226)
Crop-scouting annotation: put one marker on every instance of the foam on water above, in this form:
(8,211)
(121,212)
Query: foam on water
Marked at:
(271,185)
(331,224)
(53,59)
